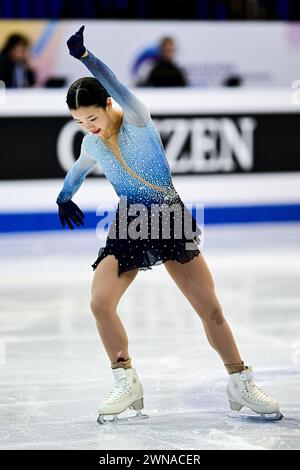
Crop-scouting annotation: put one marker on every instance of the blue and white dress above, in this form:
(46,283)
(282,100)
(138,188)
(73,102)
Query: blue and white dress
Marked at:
(140,175)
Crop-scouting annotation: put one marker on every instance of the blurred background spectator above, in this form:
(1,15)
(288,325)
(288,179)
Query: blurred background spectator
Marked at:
(15,69)
(165,72)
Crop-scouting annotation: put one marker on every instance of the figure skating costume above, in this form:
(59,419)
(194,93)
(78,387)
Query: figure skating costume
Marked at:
(139,175)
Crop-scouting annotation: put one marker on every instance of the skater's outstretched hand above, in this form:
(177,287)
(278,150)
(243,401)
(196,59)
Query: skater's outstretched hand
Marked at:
(69,212)
(75,44)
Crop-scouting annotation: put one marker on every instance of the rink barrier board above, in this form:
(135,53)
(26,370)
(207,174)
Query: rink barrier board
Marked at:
(213,215)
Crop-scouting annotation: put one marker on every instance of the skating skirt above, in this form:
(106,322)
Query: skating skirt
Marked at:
(151,250)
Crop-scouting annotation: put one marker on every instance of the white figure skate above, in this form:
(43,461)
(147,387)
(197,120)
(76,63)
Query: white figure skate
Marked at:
(127,393)
(242,391)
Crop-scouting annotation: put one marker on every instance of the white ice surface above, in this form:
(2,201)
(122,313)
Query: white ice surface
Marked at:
(54,370)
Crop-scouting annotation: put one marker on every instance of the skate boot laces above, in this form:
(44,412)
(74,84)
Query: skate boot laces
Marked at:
(121,388)
(251,389)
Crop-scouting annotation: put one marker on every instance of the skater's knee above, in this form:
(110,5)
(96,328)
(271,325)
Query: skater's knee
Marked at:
(214,313)
(101,306)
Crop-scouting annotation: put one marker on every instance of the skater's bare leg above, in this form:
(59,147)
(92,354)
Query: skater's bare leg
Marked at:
(196,283)
(107,289)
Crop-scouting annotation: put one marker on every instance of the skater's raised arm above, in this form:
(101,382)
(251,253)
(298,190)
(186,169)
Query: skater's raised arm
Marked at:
(135,112)
(76,175)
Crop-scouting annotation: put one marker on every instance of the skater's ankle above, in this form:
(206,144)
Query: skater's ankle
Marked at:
(237,367)
(121,362)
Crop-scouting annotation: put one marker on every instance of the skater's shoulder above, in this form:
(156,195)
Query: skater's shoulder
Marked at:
(89,145)
(89,141)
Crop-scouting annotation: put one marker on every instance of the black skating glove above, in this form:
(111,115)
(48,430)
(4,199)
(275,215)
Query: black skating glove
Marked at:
(75,44)
(69,212)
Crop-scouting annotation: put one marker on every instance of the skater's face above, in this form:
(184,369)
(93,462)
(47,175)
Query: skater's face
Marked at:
(94,119)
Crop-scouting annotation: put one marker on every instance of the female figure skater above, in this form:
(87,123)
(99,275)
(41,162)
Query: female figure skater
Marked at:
(128,147)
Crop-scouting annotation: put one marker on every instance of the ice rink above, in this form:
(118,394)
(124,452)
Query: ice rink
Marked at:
(54,370)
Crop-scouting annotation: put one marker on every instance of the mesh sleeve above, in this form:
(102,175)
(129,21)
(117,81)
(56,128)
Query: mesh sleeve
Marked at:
(135,112)
(76,175)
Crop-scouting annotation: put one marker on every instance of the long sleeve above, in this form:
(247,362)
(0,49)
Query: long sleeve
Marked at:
(135,112)
(76,175)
